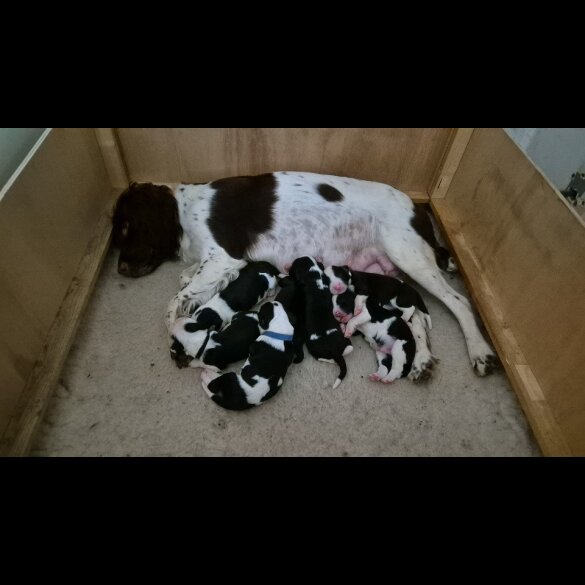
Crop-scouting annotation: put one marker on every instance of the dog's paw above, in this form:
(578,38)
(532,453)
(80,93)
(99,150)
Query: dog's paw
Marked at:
(422,368)
(388,380)
(486,364)
(188,307)
(207,376)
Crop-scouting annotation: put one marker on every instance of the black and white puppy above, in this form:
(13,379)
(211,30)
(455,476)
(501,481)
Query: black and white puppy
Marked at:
(292,297)
(385,290)
(214,349)
(323,336)
(255,282)
(264,371)
(385,330)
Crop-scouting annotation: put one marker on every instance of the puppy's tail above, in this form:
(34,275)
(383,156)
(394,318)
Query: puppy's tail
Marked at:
(340,361)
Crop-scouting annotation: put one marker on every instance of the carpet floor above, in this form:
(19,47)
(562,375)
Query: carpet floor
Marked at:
(121,395)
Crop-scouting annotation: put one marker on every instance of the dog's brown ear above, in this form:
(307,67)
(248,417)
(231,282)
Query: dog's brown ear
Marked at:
(265,315)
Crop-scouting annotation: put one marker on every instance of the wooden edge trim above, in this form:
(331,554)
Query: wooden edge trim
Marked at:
(418,196)
(450,162)
(113,158)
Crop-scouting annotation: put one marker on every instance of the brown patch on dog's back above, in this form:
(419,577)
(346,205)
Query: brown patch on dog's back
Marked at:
(241,210)
(329,193)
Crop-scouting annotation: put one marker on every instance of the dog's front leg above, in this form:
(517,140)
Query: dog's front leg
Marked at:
(215,272)
(187,275)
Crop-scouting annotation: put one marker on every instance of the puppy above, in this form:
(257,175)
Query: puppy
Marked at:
(292,298)
(255,282)
(216,350)
(385,290)
(264,371)
(385,330)
(323,337)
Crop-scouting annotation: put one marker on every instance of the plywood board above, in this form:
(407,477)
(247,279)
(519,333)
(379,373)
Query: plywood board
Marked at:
(33,401)
(47,218)
(528,246)
(406,158)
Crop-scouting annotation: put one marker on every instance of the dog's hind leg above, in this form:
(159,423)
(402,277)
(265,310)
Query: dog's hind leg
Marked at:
(411,253)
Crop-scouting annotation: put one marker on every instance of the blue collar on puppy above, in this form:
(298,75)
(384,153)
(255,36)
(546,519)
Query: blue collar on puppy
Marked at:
(279,336)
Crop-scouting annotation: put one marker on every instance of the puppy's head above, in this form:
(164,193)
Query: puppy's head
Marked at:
(204,318)
(304,269)
(339,279)
(307,270)
(343,306)
(273,316)
(266,314)
(187,339)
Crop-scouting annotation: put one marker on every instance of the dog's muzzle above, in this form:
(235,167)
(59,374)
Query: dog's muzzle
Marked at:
(181,359)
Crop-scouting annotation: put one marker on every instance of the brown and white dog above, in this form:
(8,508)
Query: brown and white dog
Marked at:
(278,217)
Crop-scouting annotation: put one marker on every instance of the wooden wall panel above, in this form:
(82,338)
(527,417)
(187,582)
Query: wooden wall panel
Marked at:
(406,158)
(528,248)
(46,221)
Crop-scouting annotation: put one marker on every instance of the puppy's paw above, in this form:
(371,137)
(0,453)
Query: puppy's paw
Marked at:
(207,376)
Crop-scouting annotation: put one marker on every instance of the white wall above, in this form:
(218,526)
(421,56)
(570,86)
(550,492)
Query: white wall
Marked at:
(15,144)
(559,152)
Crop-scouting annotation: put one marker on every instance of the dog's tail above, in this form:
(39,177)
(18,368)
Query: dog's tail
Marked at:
(340,361)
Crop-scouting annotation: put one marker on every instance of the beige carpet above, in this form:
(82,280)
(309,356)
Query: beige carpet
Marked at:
(121,395)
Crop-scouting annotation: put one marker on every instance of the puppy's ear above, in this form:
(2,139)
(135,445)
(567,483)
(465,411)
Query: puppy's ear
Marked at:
(265,315)
(192,327)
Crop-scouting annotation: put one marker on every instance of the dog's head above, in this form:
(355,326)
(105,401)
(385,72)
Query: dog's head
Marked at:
(343,306)
(273,316)
(339,278)
(187,340)
(146,228)
(307,270)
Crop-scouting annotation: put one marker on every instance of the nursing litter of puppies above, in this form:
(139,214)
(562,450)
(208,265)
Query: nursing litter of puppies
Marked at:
(333,254)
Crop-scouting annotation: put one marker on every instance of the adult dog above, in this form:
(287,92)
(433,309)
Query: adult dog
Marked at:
(278,217)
